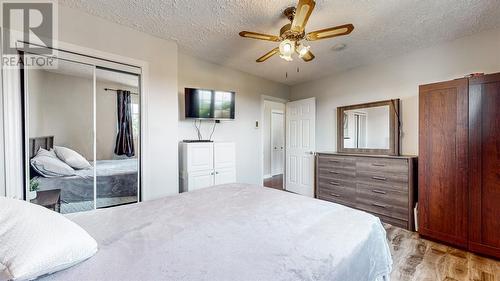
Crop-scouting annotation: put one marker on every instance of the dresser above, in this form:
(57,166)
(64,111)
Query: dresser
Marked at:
(381,185)
(206,164)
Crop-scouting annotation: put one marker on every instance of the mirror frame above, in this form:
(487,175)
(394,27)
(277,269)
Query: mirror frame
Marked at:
(394,127)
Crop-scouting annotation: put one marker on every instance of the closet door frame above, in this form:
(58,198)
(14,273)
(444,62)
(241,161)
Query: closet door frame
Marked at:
(12,111)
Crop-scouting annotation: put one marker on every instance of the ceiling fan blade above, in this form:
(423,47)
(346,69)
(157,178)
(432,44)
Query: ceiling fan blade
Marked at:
(302,13)
(259,36)
(268,55)
(330,32)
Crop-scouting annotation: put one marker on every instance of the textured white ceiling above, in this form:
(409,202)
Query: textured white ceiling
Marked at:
(209,29)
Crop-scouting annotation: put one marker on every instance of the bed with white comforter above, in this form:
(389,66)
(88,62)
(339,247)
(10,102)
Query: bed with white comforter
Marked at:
(232,232)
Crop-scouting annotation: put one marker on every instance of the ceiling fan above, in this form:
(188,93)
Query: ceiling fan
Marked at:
(292,35)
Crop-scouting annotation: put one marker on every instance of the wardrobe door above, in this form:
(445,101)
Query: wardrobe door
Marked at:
(484,155)
(442,169)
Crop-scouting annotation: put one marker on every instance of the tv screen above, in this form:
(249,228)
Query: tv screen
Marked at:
(209,104)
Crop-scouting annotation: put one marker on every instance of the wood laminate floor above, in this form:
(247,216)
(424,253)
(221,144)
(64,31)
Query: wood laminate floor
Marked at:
(275,182)
(417,259)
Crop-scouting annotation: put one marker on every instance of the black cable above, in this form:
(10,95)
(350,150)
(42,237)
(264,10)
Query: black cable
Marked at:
(197,129)
(213,130)
(200,137)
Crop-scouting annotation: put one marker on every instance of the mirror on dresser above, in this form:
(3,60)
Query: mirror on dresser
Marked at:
(369,128)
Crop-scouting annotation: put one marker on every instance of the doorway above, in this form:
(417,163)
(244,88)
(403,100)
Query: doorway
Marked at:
(273,126)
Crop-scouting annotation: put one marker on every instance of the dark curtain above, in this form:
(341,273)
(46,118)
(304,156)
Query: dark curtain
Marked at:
(124,139)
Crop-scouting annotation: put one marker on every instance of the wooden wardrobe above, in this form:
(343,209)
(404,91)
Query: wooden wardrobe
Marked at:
(459,163)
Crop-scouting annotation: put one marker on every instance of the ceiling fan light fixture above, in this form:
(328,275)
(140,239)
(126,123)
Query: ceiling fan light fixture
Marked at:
(293,34)
(303,50)
(287,48)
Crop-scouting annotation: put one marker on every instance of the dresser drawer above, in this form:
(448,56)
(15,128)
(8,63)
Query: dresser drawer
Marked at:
(336,180)
(390,181)
(382,165)
(337,198)
(382,207)
(392,221)
(345,162)
(344,192)
(382,195)
(337,173)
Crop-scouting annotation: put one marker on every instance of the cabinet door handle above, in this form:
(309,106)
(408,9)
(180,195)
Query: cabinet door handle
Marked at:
(334,183)
(379,191)
(378,165)
(333,161)
(335,195)
(379,205)
(379,178)
(333,172)
(212,173)
(216,173)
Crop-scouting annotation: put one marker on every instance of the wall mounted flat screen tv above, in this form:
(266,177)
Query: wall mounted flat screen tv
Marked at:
(209,104)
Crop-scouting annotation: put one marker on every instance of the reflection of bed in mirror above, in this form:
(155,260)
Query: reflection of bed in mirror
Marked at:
(116,181)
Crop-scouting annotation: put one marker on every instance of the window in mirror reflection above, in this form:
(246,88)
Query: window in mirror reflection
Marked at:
(367,128)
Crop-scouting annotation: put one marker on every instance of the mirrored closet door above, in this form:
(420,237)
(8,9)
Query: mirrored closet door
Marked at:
(82,136)
(117,137)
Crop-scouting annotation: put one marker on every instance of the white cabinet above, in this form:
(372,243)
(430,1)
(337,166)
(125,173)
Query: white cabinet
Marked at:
(225,175)
(200,179)
(207,164)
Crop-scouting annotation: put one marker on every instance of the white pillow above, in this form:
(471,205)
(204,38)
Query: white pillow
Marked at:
(38,241)
(72,158)
(48,165)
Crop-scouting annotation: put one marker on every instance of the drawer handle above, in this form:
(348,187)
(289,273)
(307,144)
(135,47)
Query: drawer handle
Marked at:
(334,183)
(379,191)
(335,195)
(379,178)
(378,165)
(334,161)
(333,172)
(379,205)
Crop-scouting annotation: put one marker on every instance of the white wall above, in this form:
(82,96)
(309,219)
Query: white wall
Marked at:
(196,73)
(266,132)
(2,155)
(399,78)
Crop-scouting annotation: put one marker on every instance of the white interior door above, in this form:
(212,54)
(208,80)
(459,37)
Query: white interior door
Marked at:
(300,146)
(277,142)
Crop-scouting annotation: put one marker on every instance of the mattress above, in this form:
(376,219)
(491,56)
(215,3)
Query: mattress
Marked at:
(115,178)
(232,232)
